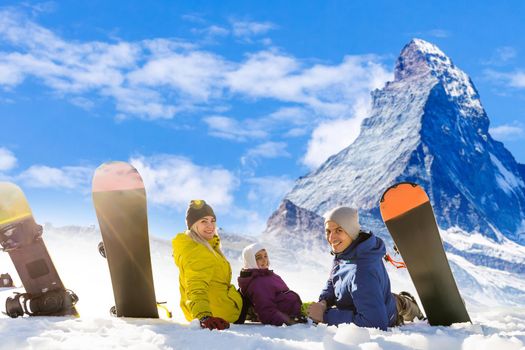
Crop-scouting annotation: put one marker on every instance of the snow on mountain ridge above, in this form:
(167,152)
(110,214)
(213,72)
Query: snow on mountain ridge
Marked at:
(420,57)
(360,168)
(425,127)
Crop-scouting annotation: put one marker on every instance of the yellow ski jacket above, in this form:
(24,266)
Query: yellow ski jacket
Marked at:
(205,280)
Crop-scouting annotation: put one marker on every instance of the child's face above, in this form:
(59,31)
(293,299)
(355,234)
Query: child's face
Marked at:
(261,258)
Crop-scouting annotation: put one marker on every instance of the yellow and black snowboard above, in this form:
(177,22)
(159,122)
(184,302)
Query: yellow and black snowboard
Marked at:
(21,237)
(119,198)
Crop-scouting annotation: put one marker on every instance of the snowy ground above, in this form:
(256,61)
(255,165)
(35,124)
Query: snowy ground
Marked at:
(83,270)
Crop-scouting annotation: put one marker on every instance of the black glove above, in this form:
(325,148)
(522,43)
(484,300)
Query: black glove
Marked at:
(301,319)
(296,320)
(211,322)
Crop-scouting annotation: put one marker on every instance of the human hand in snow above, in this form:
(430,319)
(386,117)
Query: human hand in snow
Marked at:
(316,311)
(211,322)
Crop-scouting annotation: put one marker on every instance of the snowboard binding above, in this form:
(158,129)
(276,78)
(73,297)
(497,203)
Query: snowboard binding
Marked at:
(14,236)
(102,249)
(51,303)
(160,305)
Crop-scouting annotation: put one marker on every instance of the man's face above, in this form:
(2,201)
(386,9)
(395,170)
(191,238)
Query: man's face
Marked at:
(337,237)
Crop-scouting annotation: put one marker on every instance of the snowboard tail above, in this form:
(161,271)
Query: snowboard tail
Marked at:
(408,215)
(21,237)
(120,204)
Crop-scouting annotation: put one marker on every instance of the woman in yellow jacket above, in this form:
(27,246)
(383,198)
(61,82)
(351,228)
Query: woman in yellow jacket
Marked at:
(206,292)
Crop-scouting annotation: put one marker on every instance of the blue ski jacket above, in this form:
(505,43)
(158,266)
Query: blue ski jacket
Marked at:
(358,290)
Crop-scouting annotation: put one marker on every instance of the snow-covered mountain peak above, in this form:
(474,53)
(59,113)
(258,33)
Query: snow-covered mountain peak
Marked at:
(427,126)
(419,58)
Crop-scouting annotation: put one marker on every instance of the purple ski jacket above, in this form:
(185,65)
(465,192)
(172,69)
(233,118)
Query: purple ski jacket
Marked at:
(273,301)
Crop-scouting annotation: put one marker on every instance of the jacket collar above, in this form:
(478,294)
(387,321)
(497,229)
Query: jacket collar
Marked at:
(351,250)
(215,241)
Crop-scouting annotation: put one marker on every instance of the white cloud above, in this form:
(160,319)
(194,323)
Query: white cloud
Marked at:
(329,138)
(514,79)
(436,33)
(76,68)
(69,177)
(295,132)
(146,103)
(501,56)
(7,159)
(508,132)
(232,129)
(268,190)
(212,31)
(173,181)
(288,116)
(9,75)
(245,221)
(517,79)
(160,78)
(328,90)
(250,28)
(439,33)
(170,180)
(269,150)
(256,77)
(197,75)
(194,18)
(288,121)
(82,102)
(263,195)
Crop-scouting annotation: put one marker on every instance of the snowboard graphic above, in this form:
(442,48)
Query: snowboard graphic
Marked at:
(408,215)
(120,203)
(21,237)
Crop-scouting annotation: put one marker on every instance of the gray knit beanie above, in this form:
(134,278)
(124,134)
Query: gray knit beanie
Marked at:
(198,209)
(347,218)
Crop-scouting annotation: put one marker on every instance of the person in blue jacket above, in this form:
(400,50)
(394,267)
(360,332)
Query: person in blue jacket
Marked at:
(358,289)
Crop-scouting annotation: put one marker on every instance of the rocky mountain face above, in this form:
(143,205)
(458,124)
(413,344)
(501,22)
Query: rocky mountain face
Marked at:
(299,226)
(427,126)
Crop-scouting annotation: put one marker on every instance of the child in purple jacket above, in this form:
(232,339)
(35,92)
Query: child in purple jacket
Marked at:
(273,302)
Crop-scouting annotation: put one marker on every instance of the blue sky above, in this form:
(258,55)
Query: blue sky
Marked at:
(229,101)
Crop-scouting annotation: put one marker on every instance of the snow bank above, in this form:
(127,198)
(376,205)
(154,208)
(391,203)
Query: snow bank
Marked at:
(74,251)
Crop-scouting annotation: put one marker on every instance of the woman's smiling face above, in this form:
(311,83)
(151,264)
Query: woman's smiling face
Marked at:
(206,227)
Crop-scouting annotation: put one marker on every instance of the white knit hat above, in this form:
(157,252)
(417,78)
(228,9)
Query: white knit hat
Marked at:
(347,218)
(248,255)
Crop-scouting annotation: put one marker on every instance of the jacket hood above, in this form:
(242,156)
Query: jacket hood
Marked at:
(367,246)
(248,255)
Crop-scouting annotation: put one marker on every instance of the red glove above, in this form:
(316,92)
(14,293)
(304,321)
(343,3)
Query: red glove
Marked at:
(211,322)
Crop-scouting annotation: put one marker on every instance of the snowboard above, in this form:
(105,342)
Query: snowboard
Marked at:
(119,198)
(408,215)
(21,237)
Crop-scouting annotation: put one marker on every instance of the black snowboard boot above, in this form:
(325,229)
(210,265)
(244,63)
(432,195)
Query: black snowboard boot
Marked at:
(407,308)
(251,315)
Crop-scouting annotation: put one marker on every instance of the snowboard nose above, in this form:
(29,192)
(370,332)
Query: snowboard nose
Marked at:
(400,199)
